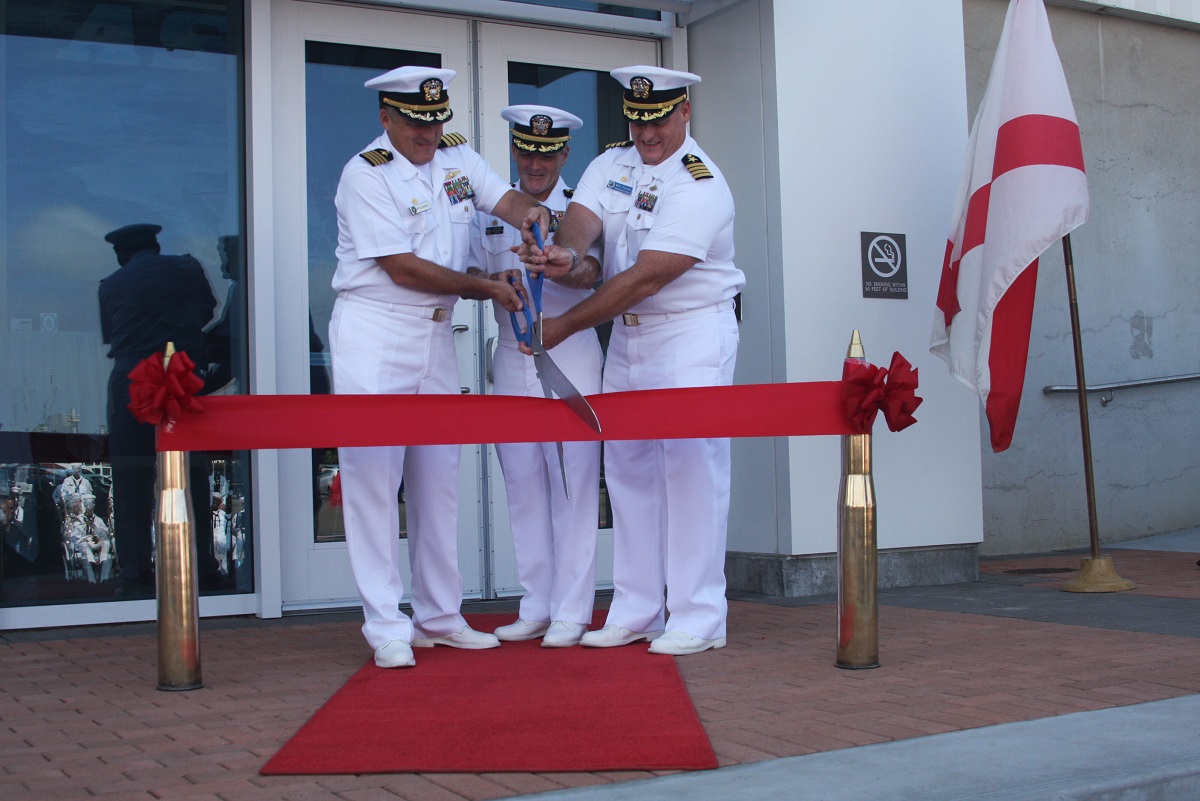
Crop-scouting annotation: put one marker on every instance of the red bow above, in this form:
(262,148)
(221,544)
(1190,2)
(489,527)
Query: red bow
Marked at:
(159,396)
(866,389)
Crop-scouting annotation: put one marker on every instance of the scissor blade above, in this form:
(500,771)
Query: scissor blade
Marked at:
(562,463)
(553,379)
(562,468)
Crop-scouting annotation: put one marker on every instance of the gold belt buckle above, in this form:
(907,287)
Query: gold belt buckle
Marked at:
(629,319)
(441,314)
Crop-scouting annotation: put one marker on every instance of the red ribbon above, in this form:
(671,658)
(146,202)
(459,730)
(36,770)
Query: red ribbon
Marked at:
(158,396)
(866,389)
(248,422)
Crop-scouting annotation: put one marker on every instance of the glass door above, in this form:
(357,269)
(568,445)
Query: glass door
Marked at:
(568,70)
(321,55)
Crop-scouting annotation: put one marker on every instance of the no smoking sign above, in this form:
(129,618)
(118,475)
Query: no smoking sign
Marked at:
(884,266)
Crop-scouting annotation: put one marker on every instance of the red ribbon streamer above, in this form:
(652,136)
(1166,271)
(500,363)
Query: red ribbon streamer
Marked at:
(161,396)
(246,422)
(250,422)
(866,389)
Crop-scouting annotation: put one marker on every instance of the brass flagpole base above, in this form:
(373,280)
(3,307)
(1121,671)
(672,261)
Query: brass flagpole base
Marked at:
(1098,575)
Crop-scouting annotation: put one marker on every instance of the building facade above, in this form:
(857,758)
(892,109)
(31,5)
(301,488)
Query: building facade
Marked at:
(226,124)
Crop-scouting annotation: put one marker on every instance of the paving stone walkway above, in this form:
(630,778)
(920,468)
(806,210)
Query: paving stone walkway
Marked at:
(80,716)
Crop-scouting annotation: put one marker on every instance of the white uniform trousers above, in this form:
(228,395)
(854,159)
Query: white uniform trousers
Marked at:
(378,350)
(670,498)
(554,538)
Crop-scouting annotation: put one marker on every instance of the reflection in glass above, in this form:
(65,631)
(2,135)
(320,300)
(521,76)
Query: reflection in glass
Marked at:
(614,9)
(160,145)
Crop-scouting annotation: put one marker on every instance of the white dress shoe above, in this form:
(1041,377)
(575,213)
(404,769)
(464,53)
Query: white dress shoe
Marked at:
(394,654)
(466,637)
(562,634)
(612,636)
(522,630)
(678,643)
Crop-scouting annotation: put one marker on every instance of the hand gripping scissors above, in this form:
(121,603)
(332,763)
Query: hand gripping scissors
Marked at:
(554,382)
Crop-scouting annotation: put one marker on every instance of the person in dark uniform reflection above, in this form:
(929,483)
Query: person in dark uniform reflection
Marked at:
(152,299)
(215,363)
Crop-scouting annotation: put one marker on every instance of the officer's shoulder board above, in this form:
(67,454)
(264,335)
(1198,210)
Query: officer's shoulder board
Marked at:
(377,156)
(452,140)
(569,193)
(626,143)
(696,167)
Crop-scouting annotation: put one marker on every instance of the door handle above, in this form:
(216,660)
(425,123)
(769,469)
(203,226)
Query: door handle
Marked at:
(489,356)
(458,329)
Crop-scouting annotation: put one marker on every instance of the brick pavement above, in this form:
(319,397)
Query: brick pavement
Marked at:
(80,716)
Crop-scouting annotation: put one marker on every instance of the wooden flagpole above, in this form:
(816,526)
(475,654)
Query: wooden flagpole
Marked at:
(1096,574)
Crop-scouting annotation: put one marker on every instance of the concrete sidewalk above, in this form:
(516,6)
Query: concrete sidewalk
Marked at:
(1003,688)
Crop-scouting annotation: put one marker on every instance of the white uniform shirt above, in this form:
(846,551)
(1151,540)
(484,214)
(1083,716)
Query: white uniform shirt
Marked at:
(490,252)
(662,207)
(398,208)
(74,486)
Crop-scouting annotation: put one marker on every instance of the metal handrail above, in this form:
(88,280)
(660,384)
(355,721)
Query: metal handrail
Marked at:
(1106,398)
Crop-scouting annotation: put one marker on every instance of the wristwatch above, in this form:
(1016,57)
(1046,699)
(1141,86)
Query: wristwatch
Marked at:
(574,257)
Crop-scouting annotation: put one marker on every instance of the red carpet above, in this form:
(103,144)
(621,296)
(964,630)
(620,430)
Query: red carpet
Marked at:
(517,708)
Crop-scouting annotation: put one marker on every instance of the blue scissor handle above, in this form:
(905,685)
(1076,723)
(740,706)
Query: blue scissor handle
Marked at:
(534,293)
(525,336)
(536,281)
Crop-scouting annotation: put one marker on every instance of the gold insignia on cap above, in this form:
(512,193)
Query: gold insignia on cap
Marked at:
(377,156)
(540,124)
(432,89)
(452,140)
(626,143)
(641,87)
(696,167)
(532,148)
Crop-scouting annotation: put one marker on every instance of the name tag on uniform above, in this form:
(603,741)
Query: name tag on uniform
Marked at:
(645,201)
(624,189)
(495,229)
(459,190)
(417,208)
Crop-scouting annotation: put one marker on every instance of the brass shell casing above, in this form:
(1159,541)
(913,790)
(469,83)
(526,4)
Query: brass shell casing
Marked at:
(175,565)
(857,558)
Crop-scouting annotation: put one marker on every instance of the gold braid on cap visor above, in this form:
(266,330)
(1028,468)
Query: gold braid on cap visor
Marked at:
(646,112)
(538,144)
(410,110)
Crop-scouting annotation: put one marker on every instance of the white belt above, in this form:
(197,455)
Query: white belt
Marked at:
(641,319)
(438,314)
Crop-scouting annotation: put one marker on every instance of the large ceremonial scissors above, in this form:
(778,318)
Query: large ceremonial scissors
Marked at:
(554,382)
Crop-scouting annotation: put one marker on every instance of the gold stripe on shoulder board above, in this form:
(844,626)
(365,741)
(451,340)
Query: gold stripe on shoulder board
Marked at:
(452,140)
(696,167)
(626,143)
(377,156)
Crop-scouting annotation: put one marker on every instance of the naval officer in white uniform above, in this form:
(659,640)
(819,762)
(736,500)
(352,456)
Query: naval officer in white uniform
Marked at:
(664,217)
(554,537)
(405,205)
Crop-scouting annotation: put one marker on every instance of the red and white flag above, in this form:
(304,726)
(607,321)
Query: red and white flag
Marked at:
(1023,189)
